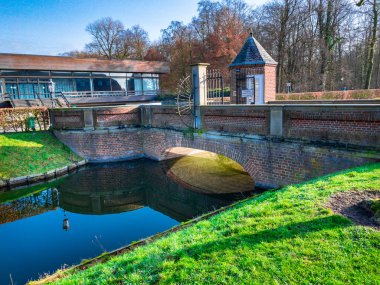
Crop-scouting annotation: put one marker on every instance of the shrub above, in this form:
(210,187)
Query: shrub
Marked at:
(294,96)
(331,95)
(16,119)
(280,97)
(361,94)
(308,96)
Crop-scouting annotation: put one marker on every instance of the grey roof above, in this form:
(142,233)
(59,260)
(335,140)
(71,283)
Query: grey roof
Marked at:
(252,53)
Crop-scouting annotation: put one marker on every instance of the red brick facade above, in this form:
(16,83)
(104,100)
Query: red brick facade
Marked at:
(356,126)
(238,120)
(269,83)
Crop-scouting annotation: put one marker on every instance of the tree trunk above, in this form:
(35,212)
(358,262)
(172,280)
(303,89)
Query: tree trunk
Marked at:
(281,44)
(371,46)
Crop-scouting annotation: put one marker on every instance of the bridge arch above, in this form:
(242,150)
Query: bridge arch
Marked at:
(207,172)
(158,146)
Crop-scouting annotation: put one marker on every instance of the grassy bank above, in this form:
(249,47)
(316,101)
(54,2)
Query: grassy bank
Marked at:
(282,237)
(31,153)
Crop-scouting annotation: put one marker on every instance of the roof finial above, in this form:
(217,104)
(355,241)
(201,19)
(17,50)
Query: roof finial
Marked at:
(251,32)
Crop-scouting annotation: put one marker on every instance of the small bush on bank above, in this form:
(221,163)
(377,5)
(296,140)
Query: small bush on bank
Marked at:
(361,94)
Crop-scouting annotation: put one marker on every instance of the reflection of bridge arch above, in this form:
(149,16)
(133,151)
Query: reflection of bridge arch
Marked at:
(106,189)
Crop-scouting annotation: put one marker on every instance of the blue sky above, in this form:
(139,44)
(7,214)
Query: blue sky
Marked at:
(54,26)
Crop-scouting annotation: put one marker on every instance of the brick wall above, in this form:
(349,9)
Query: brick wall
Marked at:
(167,117)
(104,145)
(118,116)
(72,119)
(269,162)
(67,118)
(270,83)
(236,120)
(356,126)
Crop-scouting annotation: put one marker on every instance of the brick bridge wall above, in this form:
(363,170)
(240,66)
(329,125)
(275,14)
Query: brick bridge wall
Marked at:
(277,145)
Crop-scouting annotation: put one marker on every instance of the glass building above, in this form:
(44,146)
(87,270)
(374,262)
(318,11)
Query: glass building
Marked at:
(32,77)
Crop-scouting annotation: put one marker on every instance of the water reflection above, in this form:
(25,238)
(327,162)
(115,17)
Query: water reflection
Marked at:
(29,206)
(76,218)
(110,189)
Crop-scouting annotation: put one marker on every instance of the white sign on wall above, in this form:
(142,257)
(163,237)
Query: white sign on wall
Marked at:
(247,93)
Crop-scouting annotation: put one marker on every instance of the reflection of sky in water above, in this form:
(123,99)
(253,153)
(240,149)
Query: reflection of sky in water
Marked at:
(39,244)
(108,206)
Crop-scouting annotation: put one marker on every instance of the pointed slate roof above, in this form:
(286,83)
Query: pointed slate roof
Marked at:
(252,53)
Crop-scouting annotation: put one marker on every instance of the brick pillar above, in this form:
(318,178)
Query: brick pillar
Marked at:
(199,82)
(270,83)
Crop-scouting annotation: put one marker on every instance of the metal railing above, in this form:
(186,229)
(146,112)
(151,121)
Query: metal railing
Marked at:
(61,95)
(89,94)
(37,94)
(8,97)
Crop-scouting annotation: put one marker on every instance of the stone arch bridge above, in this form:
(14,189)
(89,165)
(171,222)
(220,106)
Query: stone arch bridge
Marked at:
(277,145)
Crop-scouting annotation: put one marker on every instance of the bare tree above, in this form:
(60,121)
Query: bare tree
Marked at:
(105,33)
(374,14)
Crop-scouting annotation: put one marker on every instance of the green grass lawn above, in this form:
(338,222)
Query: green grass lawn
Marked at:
(31,153)
(280,237)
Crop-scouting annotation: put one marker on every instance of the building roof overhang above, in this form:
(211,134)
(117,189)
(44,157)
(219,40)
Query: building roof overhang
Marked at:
(64,63)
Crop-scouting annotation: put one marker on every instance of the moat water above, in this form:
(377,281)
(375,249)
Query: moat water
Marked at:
(98,209)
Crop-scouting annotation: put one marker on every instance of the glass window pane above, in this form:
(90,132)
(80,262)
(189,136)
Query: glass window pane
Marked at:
(118,84)
(13,73)
(100,74)
(37,73)
(138,85)
(82,84)
(102,84)
(63,85)
(44,88)
(27,90)
(118,74)
(148,84)
(82,74)
(61,73)
(131,84)
(11,87)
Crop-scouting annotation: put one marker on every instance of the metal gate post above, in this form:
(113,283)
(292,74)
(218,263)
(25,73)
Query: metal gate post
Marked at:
(199,82)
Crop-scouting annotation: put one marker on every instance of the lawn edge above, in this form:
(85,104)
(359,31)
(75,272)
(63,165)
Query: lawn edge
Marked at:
(30,180)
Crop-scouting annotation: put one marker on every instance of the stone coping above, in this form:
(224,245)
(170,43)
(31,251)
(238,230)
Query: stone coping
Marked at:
(40,177)
(266,106)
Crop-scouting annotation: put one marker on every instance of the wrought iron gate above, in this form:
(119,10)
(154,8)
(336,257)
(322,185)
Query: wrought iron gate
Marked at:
(217,91)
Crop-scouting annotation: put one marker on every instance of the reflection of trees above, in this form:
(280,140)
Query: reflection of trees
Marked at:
(29,206)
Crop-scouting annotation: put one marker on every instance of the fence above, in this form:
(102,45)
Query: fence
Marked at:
(24,119)
(217,91)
